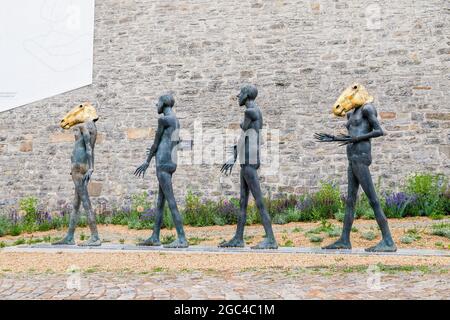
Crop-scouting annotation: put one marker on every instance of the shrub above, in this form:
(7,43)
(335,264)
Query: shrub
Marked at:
(199,213)
(406,239)
(441,229)
(339,216)
(430,192)
(327,201)
(396,204)
(280,205)
(29,206)
(369,235)
(315,239)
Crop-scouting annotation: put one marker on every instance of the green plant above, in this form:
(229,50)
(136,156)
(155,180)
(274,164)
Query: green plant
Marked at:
(196,240)
(168,239)
(297,230)
(19,241)
(413,233)
(327,201)
(315,238)
(2,244)
(441,229)
(121,241)
(288,243)
(280,219)
(406,239)
(430,192)
(369,235)
(439,244)
(82,236)
(29,206)
(339,216)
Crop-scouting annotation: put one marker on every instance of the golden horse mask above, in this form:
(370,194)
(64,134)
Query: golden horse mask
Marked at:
(79,114)
(352,97)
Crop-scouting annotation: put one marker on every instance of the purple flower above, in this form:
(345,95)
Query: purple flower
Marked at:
(399,200)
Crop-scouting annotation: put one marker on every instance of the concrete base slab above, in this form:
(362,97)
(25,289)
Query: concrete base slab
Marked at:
(108,248)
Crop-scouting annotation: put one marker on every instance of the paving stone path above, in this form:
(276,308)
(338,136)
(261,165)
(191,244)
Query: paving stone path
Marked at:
(210,285)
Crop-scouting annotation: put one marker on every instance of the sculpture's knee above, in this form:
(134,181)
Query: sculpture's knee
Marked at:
(374,203)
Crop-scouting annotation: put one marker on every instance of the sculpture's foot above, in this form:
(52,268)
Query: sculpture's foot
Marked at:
(91,242)
(65,241)
(150,242)
(383,246)
(233,243)
(177,244)
(338,245)
(266,244)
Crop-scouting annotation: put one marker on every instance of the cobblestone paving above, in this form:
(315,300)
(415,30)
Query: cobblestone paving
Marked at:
(229,285)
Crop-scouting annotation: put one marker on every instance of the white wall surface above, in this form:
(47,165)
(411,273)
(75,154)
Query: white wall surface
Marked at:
(46,48)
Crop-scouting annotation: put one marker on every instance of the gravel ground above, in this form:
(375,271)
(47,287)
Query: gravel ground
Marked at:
(292,234)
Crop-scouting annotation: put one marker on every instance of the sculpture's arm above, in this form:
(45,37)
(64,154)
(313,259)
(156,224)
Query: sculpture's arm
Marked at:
(162,123)
(325,137)
(370,113)
(250,116)
(89,153)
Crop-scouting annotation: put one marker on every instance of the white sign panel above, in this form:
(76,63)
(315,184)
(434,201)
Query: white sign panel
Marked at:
(46,48)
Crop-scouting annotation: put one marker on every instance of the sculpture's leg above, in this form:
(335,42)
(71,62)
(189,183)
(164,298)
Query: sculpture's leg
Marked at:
(73,221)
(353,186)
(154,239)
(238,239)
(94,240)
(165,182)
(252,179)
(386,244)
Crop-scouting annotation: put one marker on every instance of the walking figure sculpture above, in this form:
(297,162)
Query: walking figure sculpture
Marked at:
(163,148)
(248,149)
(362,125)
(83,118)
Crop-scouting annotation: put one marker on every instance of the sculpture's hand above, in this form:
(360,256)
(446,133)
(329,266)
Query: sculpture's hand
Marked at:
(141,170)
(228,166)
(345,140)
(87,176)
(324,137)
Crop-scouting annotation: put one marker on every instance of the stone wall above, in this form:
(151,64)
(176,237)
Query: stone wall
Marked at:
(300,54)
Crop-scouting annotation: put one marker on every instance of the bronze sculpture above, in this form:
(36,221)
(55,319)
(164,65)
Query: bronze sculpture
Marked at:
(164,150)
(356,103)
(83,118)
(249,150)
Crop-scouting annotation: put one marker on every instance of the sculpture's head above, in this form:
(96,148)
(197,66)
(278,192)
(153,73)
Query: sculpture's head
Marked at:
(352,97)
(248,92)
(79,114)
(165,101)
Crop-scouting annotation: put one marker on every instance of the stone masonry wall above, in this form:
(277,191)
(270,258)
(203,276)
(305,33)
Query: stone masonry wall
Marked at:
(300,54)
